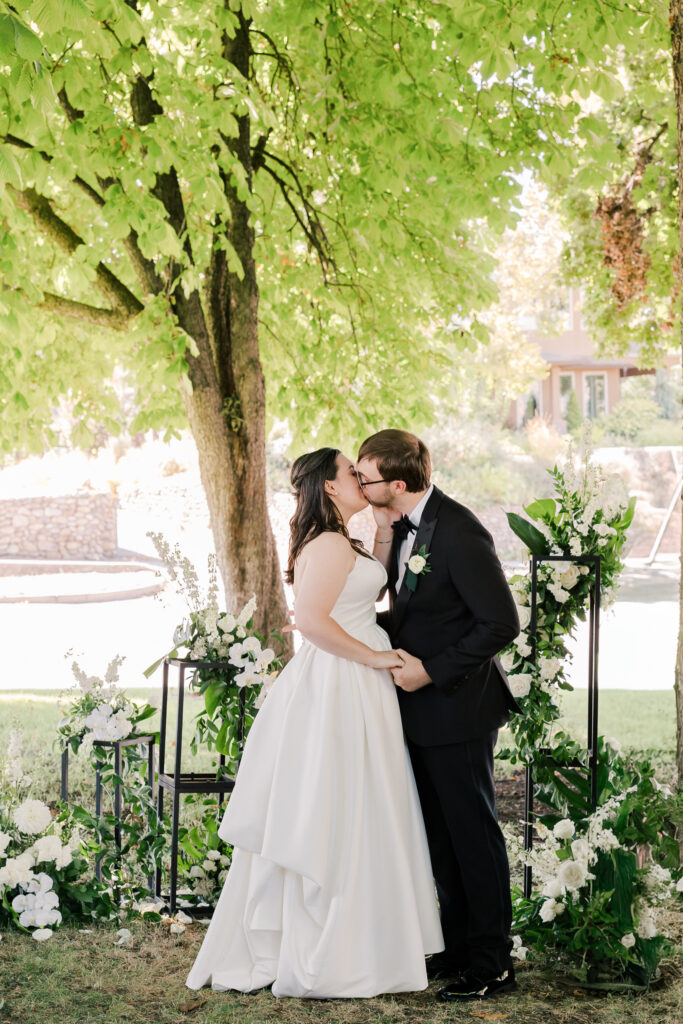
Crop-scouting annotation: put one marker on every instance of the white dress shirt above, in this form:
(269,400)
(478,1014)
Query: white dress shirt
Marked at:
(407,545)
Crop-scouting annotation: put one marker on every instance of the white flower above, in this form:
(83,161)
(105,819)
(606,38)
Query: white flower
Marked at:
(549,668)
(614,744)
(416,564)
(520,684)
(225,861)
(569,577)
(227,623)
(524,616)
(646,928)
(549,910)
(266,658)
(560,595)
(575,549)
(252,645)
(580,849)
(507,661)
(563,829)
(124,936)
(208,865)
(196,871)
(32,817)
(247,612)
(5,840)
(46,848)
(553,888)
(16,871)
(572,874)
(177,929)
(183,918)
(628,941)
(41,934)
(248,676)
(606,840)
(679,884)
(238,656)
(522,646)
(213,855)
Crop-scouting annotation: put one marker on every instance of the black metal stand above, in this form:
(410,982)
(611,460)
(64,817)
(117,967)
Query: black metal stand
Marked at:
(593,651)
(180,782)
(118,746)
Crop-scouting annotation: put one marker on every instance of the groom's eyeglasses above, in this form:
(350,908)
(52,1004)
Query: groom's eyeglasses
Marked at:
(367,483)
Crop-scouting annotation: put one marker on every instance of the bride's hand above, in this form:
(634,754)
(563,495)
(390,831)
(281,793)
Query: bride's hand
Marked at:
(387,659)
(384,517)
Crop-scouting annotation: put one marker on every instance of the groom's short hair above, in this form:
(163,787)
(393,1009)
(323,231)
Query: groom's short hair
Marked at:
(399,455)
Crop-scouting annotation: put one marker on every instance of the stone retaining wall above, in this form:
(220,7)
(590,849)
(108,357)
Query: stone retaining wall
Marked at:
(68,526)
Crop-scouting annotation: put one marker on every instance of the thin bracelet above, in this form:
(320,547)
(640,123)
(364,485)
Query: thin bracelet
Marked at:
(384,541)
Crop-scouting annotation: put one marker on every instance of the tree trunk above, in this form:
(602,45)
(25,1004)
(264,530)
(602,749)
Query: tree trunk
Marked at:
(227,407)
(676,20)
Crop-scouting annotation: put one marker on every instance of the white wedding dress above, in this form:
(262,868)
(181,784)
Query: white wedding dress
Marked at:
(330,891)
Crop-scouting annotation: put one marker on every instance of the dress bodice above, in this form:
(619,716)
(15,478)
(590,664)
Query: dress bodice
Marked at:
(354,609)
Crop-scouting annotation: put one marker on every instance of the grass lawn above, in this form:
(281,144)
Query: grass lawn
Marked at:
(78,978)
(86,979)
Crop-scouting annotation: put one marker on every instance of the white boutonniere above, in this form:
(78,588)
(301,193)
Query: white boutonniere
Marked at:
(417,565)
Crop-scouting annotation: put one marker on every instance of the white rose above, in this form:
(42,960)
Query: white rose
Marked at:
(507,661)
(549,911)
(563,829)
(570,577)
(213,855)
(32,817)
(520,684)
(208,865)
(628,941)
(524,616)
(549,668)
(572,874)
(416,564)
(553,888)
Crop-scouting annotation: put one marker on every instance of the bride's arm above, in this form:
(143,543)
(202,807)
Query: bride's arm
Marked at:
(320,574)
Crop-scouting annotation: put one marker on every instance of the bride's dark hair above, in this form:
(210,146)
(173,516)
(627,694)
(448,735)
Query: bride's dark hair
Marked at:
(315,513)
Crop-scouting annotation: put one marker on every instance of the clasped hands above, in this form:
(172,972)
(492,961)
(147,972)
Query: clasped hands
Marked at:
(411,674)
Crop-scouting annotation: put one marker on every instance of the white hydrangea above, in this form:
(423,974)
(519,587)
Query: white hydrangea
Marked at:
(32,817)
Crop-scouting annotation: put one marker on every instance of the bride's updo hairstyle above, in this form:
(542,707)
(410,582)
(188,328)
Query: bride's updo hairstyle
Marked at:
(315,513)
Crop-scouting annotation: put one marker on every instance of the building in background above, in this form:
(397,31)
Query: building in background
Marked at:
(574,367)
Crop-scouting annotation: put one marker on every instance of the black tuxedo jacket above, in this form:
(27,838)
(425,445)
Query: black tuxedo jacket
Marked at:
(457,620)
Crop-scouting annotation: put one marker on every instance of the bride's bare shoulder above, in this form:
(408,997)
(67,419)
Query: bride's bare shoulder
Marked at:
(329,545)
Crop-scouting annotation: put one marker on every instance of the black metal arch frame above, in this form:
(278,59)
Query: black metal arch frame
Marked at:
(546,754)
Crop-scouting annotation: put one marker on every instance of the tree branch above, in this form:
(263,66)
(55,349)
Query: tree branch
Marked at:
(40,210)
(94,315)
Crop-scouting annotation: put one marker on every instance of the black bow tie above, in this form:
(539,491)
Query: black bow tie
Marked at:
(402,527)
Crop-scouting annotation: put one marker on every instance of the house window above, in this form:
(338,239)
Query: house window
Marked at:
(566,388)
(594,394)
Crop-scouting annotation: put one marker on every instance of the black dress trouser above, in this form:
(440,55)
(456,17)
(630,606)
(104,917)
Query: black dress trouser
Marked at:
(469,859)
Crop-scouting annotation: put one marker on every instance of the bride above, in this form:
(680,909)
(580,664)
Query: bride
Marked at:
(330,891)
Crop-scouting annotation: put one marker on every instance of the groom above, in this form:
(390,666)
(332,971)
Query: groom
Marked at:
(451,612)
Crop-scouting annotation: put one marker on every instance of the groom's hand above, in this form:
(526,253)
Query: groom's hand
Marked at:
(412,675)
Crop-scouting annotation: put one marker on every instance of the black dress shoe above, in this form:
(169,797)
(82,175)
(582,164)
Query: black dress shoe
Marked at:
(441,967)
(472,986)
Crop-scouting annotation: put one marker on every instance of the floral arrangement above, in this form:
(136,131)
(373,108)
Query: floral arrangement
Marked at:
(588,517)
(44,860)
(603,878)
(210,635)
(99,710)
(598,878)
